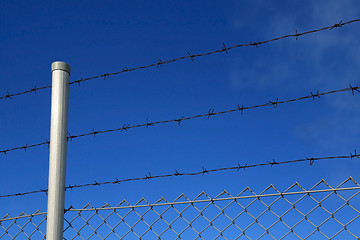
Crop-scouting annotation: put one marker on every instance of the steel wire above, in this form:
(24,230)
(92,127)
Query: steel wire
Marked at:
(210,113)
(204,171)
(190,56)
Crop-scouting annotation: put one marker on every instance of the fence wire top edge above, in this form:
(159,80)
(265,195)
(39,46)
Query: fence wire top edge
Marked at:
(163,202)
(214,199)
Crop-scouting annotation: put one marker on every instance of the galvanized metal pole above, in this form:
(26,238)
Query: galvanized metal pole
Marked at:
(58,149)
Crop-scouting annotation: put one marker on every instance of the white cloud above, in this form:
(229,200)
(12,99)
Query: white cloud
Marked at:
(327,60)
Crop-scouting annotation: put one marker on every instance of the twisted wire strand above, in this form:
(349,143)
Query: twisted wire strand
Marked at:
(190,56)
(106,206)
(210,113)
(202,172)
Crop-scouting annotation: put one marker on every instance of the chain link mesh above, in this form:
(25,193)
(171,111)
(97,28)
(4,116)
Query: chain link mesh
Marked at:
(322,212)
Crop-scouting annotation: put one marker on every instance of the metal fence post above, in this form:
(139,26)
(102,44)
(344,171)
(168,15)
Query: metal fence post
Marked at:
(58,149)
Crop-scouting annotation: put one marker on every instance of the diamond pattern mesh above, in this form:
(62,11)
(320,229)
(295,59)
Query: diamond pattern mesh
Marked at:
(322,212)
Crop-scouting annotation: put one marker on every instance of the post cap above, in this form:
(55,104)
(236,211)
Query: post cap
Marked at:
(60,66)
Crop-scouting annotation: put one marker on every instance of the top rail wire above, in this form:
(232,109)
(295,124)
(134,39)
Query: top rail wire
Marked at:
(189,56)
(210,113)
(321,211)
(88,207)
(163,202)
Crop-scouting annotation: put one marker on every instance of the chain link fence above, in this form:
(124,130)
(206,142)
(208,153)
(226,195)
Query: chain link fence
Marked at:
(322,212)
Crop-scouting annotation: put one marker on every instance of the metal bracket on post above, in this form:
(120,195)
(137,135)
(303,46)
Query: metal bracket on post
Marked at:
(58,149)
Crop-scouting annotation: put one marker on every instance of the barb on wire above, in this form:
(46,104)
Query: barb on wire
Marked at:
(311,161)
(273,163)
(336,25)
(241,167)
(10,95)
(160,62)
(225,49)
(275,103)
(191,56)
(256,44)
(211,112)
(202,172)
(241,109)
(354,89)
(316,95)
(354,155)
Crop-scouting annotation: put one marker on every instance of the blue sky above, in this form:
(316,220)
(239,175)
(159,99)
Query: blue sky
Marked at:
(98,37)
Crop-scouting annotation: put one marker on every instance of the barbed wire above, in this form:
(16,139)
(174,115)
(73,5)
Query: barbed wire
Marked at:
(190,56)
(202,172)
(210,113)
